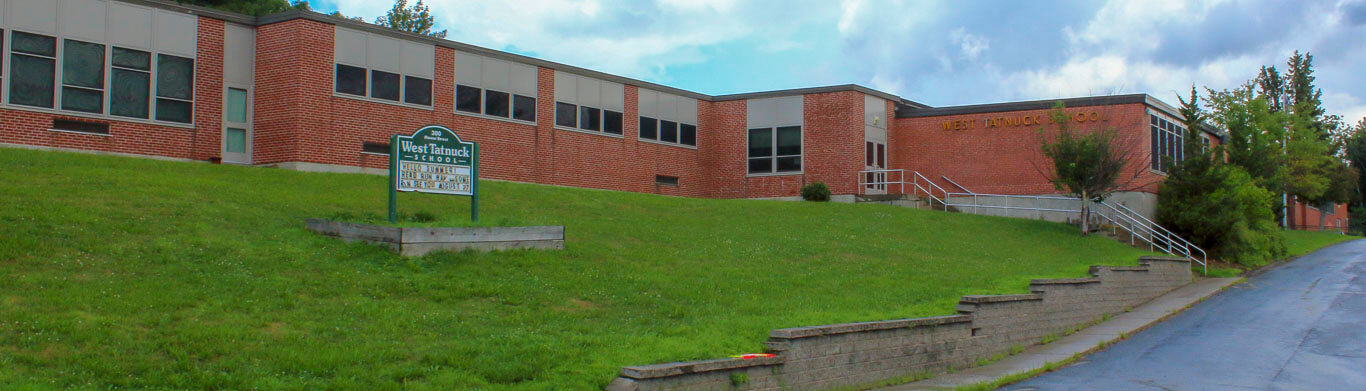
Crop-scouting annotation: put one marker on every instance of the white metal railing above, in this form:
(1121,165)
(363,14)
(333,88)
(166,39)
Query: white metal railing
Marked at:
(1136,225)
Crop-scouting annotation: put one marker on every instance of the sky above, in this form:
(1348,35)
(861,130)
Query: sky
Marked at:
(940,53)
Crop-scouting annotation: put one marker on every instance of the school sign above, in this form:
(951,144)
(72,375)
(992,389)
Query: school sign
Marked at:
(433,160)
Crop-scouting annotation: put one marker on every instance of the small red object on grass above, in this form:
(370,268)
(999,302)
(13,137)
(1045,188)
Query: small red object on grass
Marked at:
(748,356)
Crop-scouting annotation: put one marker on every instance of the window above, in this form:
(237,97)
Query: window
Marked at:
(417,91)
(467,99)
(524,108)
(1168,142)
(375,148)
(611,122)
(350,80)
(566,114)
(175,89)
(668,131)
(648,128)
(590,118)
(385,85)
(130,73)
(496,103)
(775,150)
(82,76)
(80,126)
(2,61)
(236,106)
(236,141)
(33,67)
(687,134)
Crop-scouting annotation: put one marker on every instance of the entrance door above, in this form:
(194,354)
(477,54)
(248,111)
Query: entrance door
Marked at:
(875,158)
(237,126)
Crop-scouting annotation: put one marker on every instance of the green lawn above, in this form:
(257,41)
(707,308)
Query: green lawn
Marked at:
(1303,242)
(135,273)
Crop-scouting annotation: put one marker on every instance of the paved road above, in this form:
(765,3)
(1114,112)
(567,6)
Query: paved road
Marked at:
(1301,326)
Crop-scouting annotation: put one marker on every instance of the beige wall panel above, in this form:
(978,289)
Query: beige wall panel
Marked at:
(590,92)
(668,107)
(419,59)
(566,87)
(496,75)
(384,53)
(789,110)
(759,113)
(523,79)
(83,19)
(349,47)
(613,96)
(239,52)
(175,33)
(130,26)
(469,69)
(874,111)
(647,102)
(34,16)
(687,110)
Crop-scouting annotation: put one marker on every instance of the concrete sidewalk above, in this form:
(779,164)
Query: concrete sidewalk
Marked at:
(1083,342)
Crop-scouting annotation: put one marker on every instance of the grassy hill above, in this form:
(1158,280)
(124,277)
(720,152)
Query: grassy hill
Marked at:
(135,273)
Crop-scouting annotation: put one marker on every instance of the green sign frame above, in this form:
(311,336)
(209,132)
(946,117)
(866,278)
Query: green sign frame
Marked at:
(433,160)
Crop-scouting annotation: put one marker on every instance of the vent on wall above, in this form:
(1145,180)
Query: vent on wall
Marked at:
(665,180)
(67,125)
(375,148)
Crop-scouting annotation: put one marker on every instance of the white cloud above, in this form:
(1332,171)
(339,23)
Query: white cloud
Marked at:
(972,45)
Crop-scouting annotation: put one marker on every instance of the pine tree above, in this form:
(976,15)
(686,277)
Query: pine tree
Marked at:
(416,19)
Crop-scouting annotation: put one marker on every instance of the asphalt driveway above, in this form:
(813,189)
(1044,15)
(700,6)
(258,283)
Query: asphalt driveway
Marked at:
(1301,326)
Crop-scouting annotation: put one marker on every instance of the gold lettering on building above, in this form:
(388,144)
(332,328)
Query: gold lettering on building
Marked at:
(1020,120)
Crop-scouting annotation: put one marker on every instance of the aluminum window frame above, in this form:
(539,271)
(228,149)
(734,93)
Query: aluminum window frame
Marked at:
(483,97)
(105,78)
(370,85)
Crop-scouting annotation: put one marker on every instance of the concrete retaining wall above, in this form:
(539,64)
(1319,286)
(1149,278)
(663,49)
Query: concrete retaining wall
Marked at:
(854,354)
(416,241)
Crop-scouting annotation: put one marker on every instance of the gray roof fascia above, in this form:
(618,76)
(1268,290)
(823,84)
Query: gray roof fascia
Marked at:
(196,10)
(1025,105)
(807,90)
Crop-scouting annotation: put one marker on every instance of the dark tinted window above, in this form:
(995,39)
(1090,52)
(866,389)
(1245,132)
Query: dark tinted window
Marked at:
(174,110)
(789,164)
(524,108)
(34,44)
(760,142)
(668,131)
(83,64)
(385,85)
(611,122)
(128,93)
(496,103)
(467,99)
(761,165)
(687,134)
(566,114)
(647,128)
(350,80)
(134,59)
(590,118)
(175,77)
(417,91)
(32,80)
(789,141)
(80,99)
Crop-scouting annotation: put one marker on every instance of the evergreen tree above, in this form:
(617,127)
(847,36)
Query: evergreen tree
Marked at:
(416,19)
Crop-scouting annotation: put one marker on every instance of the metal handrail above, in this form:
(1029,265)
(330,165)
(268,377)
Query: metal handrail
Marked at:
(956,184)
(1159,226)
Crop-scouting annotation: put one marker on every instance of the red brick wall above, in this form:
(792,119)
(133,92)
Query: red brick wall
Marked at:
(1008,159)
(1303,217)
(22,126)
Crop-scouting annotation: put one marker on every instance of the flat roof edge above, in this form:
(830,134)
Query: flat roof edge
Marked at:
(197,10)
(1027,105)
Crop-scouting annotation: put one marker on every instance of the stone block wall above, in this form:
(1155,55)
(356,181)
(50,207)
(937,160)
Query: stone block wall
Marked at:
(854,354)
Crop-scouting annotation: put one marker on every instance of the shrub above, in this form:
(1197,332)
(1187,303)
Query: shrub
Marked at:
(1223,211)
(817,191)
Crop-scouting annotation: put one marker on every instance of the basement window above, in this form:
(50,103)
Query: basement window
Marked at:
(665,180)
(66,125)
(375,148)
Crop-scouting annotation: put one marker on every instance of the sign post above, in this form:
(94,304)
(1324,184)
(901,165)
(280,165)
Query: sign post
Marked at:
(433,160)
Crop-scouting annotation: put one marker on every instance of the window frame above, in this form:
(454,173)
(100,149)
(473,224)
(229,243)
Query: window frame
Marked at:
(106,60)
(147,100)
(5,82)
(578,120)
(1166,139)
(773,152)
(679,134)
(483,105)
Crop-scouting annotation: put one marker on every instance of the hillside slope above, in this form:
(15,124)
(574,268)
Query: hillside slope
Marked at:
(122,272)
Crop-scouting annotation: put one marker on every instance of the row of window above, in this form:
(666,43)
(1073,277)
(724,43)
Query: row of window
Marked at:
(494,103)
(668,131)
(588,118)
(84,88)
(384,85)
(1168,140)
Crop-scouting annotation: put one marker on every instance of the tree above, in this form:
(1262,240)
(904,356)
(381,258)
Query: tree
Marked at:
(1088,166)
(250,7)
(1216,205)
(416,19)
